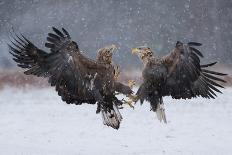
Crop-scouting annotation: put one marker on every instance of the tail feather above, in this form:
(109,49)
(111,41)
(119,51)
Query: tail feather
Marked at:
(112,118)
(157,106)
(160,112)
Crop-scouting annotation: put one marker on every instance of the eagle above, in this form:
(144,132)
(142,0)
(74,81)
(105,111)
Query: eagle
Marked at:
(179,74)
(77,78)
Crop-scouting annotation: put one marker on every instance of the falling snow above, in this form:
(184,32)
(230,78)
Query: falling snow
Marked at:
(46,125)
(126,23)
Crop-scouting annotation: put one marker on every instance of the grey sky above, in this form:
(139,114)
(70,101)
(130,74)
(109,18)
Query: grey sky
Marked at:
(126,23)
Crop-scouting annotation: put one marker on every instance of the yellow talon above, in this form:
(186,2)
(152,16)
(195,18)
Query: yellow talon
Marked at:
(133,98)
(131,83)
(129,102)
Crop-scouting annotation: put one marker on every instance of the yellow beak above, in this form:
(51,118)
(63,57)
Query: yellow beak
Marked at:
(135,50)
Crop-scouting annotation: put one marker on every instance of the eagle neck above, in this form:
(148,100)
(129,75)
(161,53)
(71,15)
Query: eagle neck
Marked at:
(147,60)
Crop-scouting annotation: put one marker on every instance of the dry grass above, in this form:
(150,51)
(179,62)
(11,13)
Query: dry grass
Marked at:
(19,80)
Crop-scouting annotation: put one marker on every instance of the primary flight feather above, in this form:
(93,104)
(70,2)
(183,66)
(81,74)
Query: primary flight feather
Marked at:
(76,78)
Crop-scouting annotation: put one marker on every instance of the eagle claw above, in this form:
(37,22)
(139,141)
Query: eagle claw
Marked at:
(129,102)
(131,83)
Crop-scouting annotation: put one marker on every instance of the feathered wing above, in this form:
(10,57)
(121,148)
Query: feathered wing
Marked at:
(67,69)
(72,74)
(187,78)
(28,56)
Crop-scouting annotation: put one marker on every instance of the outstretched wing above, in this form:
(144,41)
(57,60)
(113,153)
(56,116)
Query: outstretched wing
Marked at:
(28,56)
(67,69)
(187,78)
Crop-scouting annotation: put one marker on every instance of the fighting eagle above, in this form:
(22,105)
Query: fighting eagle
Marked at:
(178,74)
(76,78)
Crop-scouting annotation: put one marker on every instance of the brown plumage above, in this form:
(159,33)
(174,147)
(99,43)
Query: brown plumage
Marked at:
(76,78)
(178,74)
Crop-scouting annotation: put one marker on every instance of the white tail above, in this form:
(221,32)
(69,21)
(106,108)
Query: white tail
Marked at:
(160,112)
(112,118)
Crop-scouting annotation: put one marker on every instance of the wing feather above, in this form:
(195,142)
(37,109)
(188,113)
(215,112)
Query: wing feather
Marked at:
(191,79)
(65,66)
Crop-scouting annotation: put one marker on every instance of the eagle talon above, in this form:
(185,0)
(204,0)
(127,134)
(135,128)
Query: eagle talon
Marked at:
(129,102)
(131,83)
(133,98)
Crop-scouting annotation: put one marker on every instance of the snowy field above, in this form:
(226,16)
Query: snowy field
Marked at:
(35,121)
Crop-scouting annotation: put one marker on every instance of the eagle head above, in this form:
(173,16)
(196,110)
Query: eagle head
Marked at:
(144,53)
(105,54)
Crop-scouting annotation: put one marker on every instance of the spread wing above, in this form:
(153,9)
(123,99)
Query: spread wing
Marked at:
(187,78)
(67,69)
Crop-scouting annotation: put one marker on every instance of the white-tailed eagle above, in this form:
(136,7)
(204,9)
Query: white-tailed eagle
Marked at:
(178,74)
(76,78)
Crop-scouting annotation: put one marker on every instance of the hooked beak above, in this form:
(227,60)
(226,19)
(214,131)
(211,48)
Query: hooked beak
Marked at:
(112,48)
(135,51)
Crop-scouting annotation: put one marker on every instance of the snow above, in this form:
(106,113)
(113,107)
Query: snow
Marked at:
(36,121)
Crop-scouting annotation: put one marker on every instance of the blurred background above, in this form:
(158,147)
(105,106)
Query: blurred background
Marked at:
(34,119)
(126,23)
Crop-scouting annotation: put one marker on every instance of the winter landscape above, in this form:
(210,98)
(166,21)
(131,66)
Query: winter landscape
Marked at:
(36,121)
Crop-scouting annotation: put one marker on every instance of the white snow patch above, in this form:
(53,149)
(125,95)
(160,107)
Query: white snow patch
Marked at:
(38,122)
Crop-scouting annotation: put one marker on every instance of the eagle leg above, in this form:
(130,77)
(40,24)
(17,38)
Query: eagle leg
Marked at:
(129,102)
(131,83)
(131,99)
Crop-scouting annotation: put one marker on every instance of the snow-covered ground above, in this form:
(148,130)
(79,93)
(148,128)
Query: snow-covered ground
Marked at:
(36,121)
